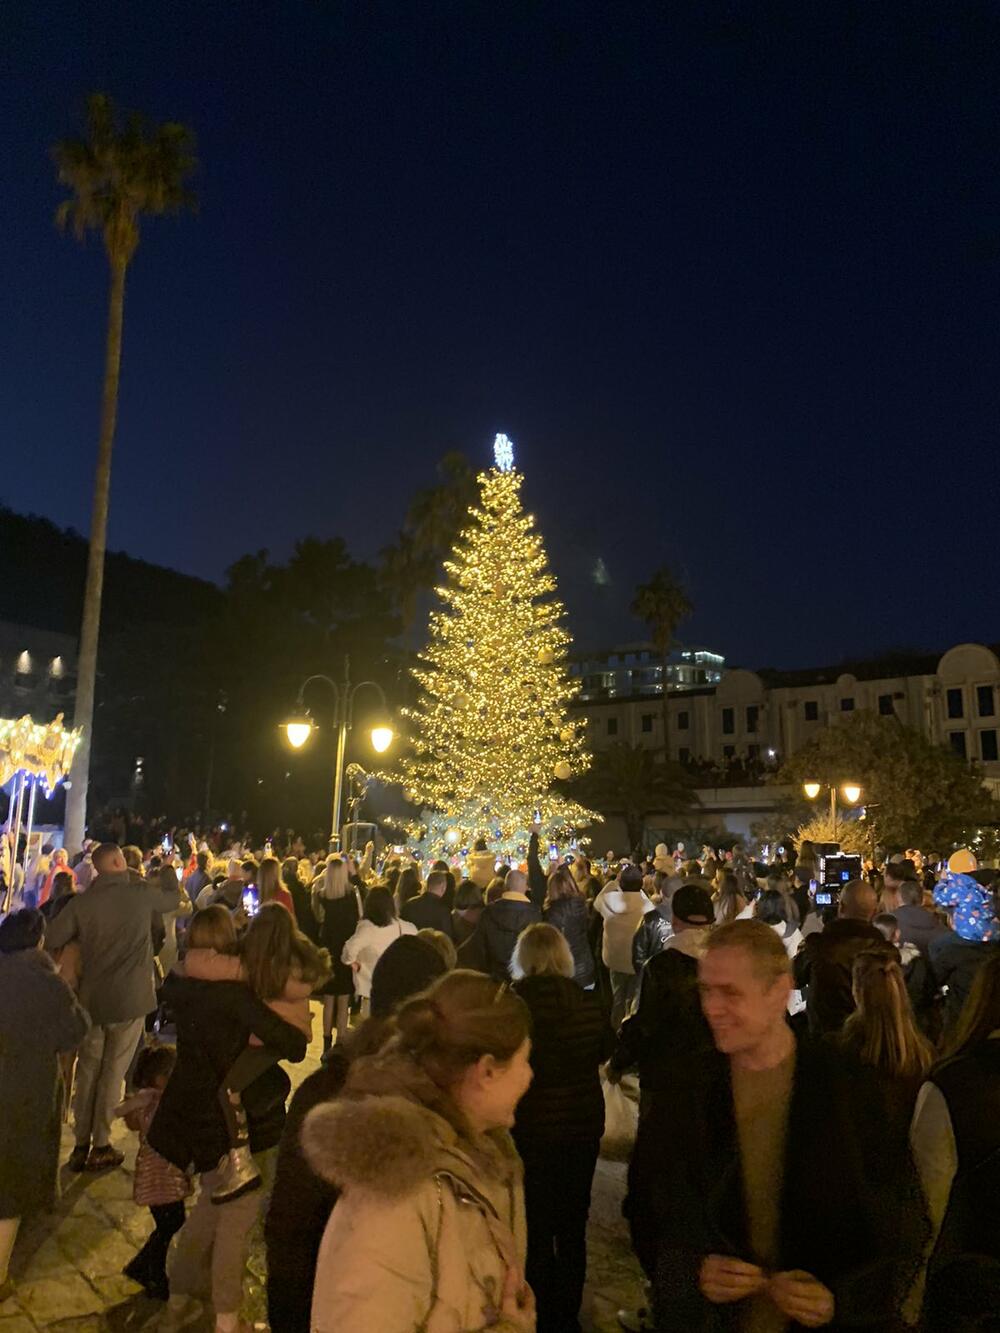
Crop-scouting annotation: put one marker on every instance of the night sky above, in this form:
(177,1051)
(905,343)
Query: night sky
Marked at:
(727,275)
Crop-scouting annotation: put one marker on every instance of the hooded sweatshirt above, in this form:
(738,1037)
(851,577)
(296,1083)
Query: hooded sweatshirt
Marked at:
(622,913)
(430,1218)
(975,916)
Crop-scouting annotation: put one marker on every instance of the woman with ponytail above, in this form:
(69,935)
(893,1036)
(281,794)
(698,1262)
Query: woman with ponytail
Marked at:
(882,1032)
(428,1231)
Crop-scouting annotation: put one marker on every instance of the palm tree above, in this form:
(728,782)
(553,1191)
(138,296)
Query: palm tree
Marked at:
(662,603)
(630,781)
(119,173)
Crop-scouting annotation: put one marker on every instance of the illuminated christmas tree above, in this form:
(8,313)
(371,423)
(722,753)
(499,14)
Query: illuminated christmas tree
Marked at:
(490,733)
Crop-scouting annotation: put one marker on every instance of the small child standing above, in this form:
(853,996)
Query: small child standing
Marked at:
(158,1184)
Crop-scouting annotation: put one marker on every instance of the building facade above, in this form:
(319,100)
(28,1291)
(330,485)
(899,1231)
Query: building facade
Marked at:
(37,672)
(635,670)
(754,720)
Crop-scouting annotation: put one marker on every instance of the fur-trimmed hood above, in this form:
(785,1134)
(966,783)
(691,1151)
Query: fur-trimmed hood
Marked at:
(392,1129)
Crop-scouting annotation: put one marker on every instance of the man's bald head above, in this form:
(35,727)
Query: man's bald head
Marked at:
(516,882)
(108,859)
(858,901)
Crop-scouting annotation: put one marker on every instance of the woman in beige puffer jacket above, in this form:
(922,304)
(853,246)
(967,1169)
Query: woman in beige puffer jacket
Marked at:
(428,1235)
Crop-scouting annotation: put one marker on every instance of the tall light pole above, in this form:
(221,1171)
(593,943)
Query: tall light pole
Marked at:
(852,794)
(300,727)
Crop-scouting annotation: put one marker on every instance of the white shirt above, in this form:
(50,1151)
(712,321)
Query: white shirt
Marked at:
(367,945)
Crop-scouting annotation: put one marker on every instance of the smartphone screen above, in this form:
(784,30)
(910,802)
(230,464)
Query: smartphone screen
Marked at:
(553,852)
(824,899)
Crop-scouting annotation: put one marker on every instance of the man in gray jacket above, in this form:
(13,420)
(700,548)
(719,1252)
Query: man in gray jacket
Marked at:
(111,923)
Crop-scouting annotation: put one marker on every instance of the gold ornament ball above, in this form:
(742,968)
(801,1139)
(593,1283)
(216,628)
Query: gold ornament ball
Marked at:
(566,735)
(546,657)
(562,770)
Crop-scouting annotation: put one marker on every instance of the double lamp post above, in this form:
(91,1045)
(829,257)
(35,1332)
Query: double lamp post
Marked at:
(851,791)
(300,727)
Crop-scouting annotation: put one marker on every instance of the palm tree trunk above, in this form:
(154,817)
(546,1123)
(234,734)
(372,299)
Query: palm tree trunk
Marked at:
(86,678)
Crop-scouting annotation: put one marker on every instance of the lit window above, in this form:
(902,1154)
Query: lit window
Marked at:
(56,667)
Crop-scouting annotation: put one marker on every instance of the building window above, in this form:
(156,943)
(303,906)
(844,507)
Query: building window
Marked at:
(728,721)
(683,722)
(811,707)
(753,712)
(988,746)
(647,721)
(684,755)
(612,726)
(847,705)
(984,700)
(957,741)
(728,751)
(956,707)
(753,751)
(885,705)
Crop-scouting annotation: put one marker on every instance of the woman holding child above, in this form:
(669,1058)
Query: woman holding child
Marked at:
(239,1010)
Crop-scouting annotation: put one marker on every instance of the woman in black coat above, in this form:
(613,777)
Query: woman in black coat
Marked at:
(337,907)
(566,909)
(559,1122)
(215,1021)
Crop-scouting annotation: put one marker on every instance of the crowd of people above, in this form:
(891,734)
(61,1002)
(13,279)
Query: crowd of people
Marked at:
(817,1084)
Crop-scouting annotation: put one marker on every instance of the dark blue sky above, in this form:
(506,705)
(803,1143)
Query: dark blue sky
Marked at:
(727,274)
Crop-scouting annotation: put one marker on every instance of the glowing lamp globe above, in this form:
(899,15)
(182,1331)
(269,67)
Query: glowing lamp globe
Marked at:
(298,733)
(381,739)
(451,837)
(811,789)
(562,770)
(852,793)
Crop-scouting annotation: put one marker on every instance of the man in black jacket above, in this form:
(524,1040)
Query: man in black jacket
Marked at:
(776,1200)
(489,947)
(427,911)
(824,963)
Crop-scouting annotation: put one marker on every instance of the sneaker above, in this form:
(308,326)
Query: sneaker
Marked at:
(78,1157)
(101,1159)
(238,1175)
(636,1321)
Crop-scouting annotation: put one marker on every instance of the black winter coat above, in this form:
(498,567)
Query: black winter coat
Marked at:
(851,1207)
(668,1027)
(215,1020)
(429,912)
(570,915)
(824,963)
(489,947)
(570,1038)
(918,926)
(299,1207)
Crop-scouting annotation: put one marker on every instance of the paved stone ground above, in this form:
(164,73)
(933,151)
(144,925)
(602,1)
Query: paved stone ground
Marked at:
(67,1264)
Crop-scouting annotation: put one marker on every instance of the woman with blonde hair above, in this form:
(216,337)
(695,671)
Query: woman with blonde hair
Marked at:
(560,1121)
(271,886)
(337,908)
(730,903)
(882,1038)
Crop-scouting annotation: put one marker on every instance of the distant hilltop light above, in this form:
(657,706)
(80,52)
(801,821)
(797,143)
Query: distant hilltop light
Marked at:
(503,452)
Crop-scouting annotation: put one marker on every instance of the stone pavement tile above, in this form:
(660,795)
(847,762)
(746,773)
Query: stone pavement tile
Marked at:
(115,1289)
(19,1323)
(115,1184)
(67,1297)
(11,1308)
(93,1246)
(88,1324)
(47,1260)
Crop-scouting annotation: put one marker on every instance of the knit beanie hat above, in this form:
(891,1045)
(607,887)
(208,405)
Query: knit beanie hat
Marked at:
(408,966)
(974,908)
(962,862)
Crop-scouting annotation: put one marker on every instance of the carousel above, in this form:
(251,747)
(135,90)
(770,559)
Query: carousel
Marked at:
(33,756)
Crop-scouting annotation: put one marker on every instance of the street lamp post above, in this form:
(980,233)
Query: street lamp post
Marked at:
(852,794)
(300,728)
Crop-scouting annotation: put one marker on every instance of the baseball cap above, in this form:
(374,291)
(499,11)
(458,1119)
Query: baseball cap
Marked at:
(693,903)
